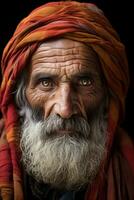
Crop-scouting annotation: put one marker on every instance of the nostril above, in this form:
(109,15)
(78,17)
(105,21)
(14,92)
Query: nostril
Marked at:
(65,113)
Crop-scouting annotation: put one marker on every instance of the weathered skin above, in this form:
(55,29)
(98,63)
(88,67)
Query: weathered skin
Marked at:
(65,79)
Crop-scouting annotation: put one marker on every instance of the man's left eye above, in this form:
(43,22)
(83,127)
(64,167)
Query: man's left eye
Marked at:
(85,82)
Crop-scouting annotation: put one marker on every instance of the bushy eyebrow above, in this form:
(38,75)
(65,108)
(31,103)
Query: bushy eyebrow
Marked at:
(42,75)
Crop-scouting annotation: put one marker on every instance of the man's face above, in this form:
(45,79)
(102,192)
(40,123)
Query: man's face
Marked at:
(64,129)
(65,79)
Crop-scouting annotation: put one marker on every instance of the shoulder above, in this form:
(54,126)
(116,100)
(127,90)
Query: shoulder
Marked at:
(120,174)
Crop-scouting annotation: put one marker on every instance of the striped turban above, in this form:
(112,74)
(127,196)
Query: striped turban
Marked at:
(83,22)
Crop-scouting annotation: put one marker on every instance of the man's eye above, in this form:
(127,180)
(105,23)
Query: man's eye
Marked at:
(85,82)
(46,83)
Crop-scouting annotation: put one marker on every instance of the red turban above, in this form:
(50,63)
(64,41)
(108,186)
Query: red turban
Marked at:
(86,23)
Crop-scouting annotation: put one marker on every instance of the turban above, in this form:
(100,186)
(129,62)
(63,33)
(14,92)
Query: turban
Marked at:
(83,22)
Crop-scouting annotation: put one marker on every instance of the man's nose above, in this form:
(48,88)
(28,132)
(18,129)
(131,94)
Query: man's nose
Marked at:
(66,104)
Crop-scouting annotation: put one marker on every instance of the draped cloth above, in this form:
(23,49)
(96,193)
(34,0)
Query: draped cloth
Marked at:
(83,22)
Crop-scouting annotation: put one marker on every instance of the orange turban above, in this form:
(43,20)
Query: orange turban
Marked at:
(83,22)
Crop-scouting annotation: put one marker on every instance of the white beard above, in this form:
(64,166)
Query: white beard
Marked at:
(63,161)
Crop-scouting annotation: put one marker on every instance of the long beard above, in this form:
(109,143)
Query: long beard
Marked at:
(68,160)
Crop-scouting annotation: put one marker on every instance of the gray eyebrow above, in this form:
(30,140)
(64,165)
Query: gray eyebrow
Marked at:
(40,75)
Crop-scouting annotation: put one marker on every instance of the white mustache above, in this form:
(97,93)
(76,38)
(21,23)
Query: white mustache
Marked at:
(74,126)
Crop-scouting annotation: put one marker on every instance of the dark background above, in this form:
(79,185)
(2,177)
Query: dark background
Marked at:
(119,12)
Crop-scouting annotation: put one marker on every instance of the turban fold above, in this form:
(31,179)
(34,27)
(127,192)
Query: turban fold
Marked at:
(83,22)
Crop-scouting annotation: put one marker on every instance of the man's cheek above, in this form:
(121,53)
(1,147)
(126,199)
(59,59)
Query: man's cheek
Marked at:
(91,106)
(35,98)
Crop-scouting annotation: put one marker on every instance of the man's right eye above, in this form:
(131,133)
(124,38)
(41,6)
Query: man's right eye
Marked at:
(46,83)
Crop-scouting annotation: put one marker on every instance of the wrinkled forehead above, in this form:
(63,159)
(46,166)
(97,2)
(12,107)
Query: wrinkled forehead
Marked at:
(64,53)
(64,47)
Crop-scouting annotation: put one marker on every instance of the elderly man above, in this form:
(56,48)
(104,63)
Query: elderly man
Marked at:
(65,79)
